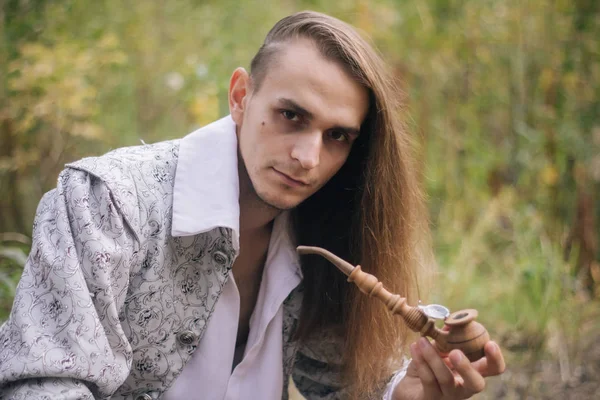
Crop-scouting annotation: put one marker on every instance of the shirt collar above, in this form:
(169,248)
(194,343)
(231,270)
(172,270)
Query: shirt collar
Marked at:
(206,191)
(282,247)
(206,188)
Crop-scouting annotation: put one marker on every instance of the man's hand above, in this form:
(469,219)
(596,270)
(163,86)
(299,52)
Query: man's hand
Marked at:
(431,377)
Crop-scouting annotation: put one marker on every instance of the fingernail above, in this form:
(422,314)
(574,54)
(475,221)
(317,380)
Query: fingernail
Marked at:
(456,358)
(493,349)
(423,343)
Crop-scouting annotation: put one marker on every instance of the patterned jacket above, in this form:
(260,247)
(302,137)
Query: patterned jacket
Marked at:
(111,305)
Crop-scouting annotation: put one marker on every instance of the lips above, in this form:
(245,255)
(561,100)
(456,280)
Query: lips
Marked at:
(291,180)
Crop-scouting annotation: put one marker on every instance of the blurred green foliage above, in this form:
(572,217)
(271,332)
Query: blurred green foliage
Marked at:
(503,97)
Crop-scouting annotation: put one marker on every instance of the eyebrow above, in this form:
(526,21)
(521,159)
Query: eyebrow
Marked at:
(295,107)
(298,109)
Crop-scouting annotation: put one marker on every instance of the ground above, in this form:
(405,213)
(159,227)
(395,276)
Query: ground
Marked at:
(563,377)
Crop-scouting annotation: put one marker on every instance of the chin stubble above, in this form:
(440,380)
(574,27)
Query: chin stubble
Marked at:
(249,192)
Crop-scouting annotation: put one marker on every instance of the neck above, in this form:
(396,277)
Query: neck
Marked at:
(255,215)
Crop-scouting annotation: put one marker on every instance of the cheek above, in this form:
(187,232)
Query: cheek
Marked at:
(337,160)
(269,144)
(334,170)
(257,146)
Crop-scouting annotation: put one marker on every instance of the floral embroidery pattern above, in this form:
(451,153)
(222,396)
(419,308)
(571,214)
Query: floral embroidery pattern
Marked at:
(97,302)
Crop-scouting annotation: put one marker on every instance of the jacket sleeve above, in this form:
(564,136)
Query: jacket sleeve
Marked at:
(317,371)
(63,339)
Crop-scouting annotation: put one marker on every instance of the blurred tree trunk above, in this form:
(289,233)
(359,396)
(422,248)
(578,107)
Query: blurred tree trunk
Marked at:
(583,234)
(9,202)
(19,20)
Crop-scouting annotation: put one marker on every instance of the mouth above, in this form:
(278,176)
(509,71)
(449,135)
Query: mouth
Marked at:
(289,180)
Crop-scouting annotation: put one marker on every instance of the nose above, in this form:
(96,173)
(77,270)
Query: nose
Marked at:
(307,149)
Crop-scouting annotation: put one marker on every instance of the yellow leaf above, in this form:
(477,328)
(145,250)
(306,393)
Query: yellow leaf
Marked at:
(24,124)
(86,130)
(109,41)
(32,50)
(6,164)
(570,81)
(117,58)
(549,175)
(204,109)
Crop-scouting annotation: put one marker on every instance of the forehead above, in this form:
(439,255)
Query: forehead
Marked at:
(299,72)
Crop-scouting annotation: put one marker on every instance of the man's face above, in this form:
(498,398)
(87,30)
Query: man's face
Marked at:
(296,131)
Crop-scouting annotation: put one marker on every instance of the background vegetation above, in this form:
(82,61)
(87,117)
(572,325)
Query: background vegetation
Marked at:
(503,97)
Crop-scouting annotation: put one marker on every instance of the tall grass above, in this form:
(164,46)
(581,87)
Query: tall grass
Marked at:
(503,97)
(13,255)
(507,265)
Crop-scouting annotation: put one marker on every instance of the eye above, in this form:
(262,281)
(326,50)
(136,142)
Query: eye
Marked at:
(290,115)
(339,136)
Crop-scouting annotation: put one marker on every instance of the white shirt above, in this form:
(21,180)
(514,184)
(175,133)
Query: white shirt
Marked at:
(205,196)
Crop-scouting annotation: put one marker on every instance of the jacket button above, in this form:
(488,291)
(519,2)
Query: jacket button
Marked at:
(144,396)
(220,257)
(186,337)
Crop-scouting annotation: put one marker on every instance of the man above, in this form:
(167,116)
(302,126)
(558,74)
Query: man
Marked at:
(169,270)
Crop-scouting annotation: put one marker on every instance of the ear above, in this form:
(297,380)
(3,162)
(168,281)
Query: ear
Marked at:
(239,90)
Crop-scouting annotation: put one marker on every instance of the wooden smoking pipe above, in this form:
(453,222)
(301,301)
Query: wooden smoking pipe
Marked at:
(463,333)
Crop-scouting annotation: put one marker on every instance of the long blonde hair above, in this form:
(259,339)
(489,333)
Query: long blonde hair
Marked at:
(371,213)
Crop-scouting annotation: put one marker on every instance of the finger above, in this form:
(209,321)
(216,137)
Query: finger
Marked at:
(457,378)
(444,356)
(413,367)
(431,389)
(443,375)
(493,362)
(448,363)
(496,364)
(473,382)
